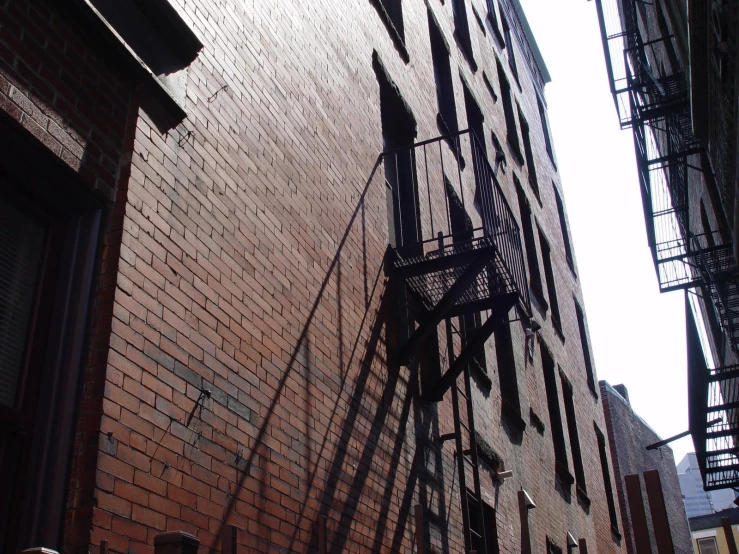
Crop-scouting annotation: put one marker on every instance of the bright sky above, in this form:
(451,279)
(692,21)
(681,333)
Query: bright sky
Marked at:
(637,334)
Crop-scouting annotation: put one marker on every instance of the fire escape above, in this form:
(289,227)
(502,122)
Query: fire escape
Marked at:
(651,94)
(458,261)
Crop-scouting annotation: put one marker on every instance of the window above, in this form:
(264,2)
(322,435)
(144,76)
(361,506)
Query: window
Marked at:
(21,245)
(461,228)
(607,479)
(498,148)
(563,228)
(462,30)
(489,87)
(551,287)
(483,526)
(567,395)
(398,129)
(509,44)
(391,13)
(585,347)
(529,154)
(545,128)
(706,224)
(493,18)
(555,417)
(552,548)
(510,116)
(506,362)
(530,243)
(475,118)
(707,545)
(447,118)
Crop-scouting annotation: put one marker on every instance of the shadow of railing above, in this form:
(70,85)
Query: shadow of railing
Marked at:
(371,280)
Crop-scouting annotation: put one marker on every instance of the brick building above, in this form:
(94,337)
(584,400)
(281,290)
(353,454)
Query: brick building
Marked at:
(673,70)
(647,484)
(221,307)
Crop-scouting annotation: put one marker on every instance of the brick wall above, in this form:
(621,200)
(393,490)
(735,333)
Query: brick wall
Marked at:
(629,435)
(250,265)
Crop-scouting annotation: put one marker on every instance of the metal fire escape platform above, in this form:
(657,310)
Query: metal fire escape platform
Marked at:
(652,97)
(451,267)
(459,268)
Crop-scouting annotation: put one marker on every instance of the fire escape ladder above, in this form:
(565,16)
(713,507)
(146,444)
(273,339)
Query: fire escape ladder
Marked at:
(459,268)
(467,456)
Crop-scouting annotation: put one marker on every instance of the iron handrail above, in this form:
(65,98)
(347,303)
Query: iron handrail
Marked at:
(499,225)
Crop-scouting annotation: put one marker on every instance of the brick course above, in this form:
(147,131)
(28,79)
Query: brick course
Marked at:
(243,256)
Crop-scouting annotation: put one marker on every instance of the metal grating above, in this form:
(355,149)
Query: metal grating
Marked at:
(494,280)
(446,183)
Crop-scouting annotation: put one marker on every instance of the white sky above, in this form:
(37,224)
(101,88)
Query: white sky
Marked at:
(637,334)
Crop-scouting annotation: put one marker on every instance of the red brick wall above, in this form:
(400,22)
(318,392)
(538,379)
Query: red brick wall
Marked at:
(628,436)
(233,277)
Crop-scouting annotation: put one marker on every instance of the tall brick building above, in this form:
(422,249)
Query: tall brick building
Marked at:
(220,306)
(674,73)
(647,483)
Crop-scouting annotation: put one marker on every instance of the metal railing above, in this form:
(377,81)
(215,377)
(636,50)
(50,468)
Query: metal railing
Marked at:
(447,200)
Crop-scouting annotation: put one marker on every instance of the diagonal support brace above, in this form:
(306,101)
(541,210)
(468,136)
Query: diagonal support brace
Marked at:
(440,311)
(472,346)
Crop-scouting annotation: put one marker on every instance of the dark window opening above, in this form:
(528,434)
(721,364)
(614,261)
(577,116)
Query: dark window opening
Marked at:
(443,78)
(475,118)
(498,150)
(391,13)
(482,523)
(493,18)
(461,228)
(510,115)
(551,287)
(665,32)
(462,30)
(545,129)
(506,361)
(399,129)
(585,347)
(530,243)
(529,154)
(572,431)
(563,228)
(607,479)
(489,87)
(555,417)
(509,44)
(713,321)
(483,177)
(552,548)
(706,224)
(21,247)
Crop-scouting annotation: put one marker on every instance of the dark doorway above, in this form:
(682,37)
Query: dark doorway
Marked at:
(49,228)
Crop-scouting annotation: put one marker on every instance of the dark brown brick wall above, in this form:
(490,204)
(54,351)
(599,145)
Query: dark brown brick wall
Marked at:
(629,435)
(250,264)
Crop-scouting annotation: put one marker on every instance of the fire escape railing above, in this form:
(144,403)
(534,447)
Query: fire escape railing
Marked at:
(651,94)
(461,255)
